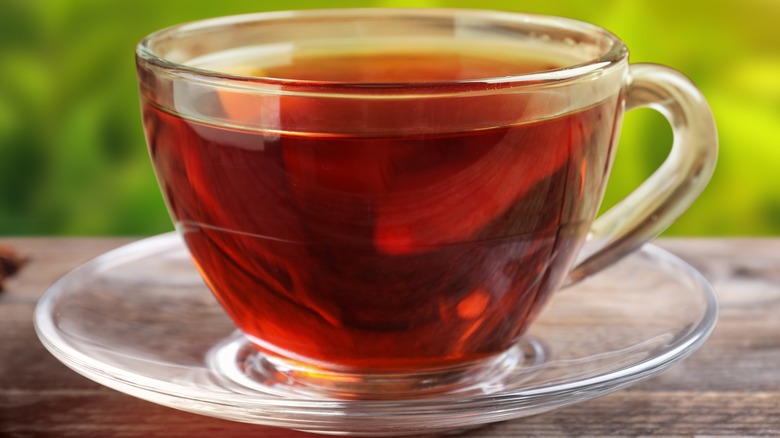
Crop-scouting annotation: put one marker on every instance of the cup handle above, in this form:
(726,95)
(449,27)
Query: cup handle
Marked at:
(663,197)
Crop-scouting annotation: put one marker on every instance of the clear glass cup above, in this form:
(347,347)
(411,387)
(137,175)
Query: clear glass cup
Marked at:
(384,200)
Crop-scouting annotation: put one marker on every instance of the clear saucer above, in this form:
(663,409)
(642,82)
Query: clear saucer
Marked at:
(140,320)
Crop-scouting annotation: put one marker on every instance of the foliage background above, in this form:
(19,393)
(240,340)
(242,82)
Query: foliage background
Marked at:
(73,159)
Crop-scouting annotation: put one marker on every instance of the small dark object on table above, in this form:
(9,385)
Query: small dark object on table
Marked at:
(10,263)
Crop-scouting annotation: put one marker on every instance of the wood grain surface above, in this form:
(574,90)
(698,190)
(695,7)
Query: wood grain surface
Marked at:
(730,387)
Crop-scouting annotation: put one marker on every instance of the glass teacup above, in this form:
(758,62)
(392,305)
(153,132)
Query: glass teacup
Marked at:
(384,200)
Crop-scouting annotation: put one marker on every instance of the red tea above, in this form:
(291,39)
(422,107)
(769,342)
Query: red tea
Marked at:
(390,233)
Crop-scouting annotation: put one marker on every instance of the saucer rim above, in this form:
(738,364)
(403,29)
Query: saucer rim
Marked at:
(513,404)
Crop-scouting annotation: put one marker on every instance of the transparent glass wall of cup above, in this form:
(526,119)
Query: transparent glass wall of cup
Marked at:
(381,231)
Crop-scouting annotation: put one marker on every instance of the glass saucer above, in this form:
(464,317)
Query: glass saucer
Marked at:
(139,319)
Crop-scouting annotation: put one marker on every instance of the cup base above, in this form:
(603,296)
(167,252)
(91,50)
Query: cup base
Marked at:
(241,364)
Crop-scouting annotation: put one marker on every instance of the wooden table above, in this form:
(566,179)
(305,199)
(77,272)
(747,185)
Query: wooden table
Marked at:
(731,386)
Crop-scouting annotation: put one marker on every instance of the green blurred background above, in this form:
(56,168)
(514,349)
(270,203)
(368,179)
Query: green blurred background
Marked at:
(73,159)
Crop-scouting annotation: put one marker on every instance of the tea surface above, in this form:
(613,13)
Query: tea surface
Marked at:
(396,65)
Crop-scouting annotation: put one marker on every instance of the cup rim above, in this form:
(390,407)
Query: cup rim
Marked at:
(614,54)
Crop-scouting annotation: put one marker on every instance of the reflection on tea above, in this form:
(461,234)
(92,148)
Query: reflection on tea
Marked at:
(375,245)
